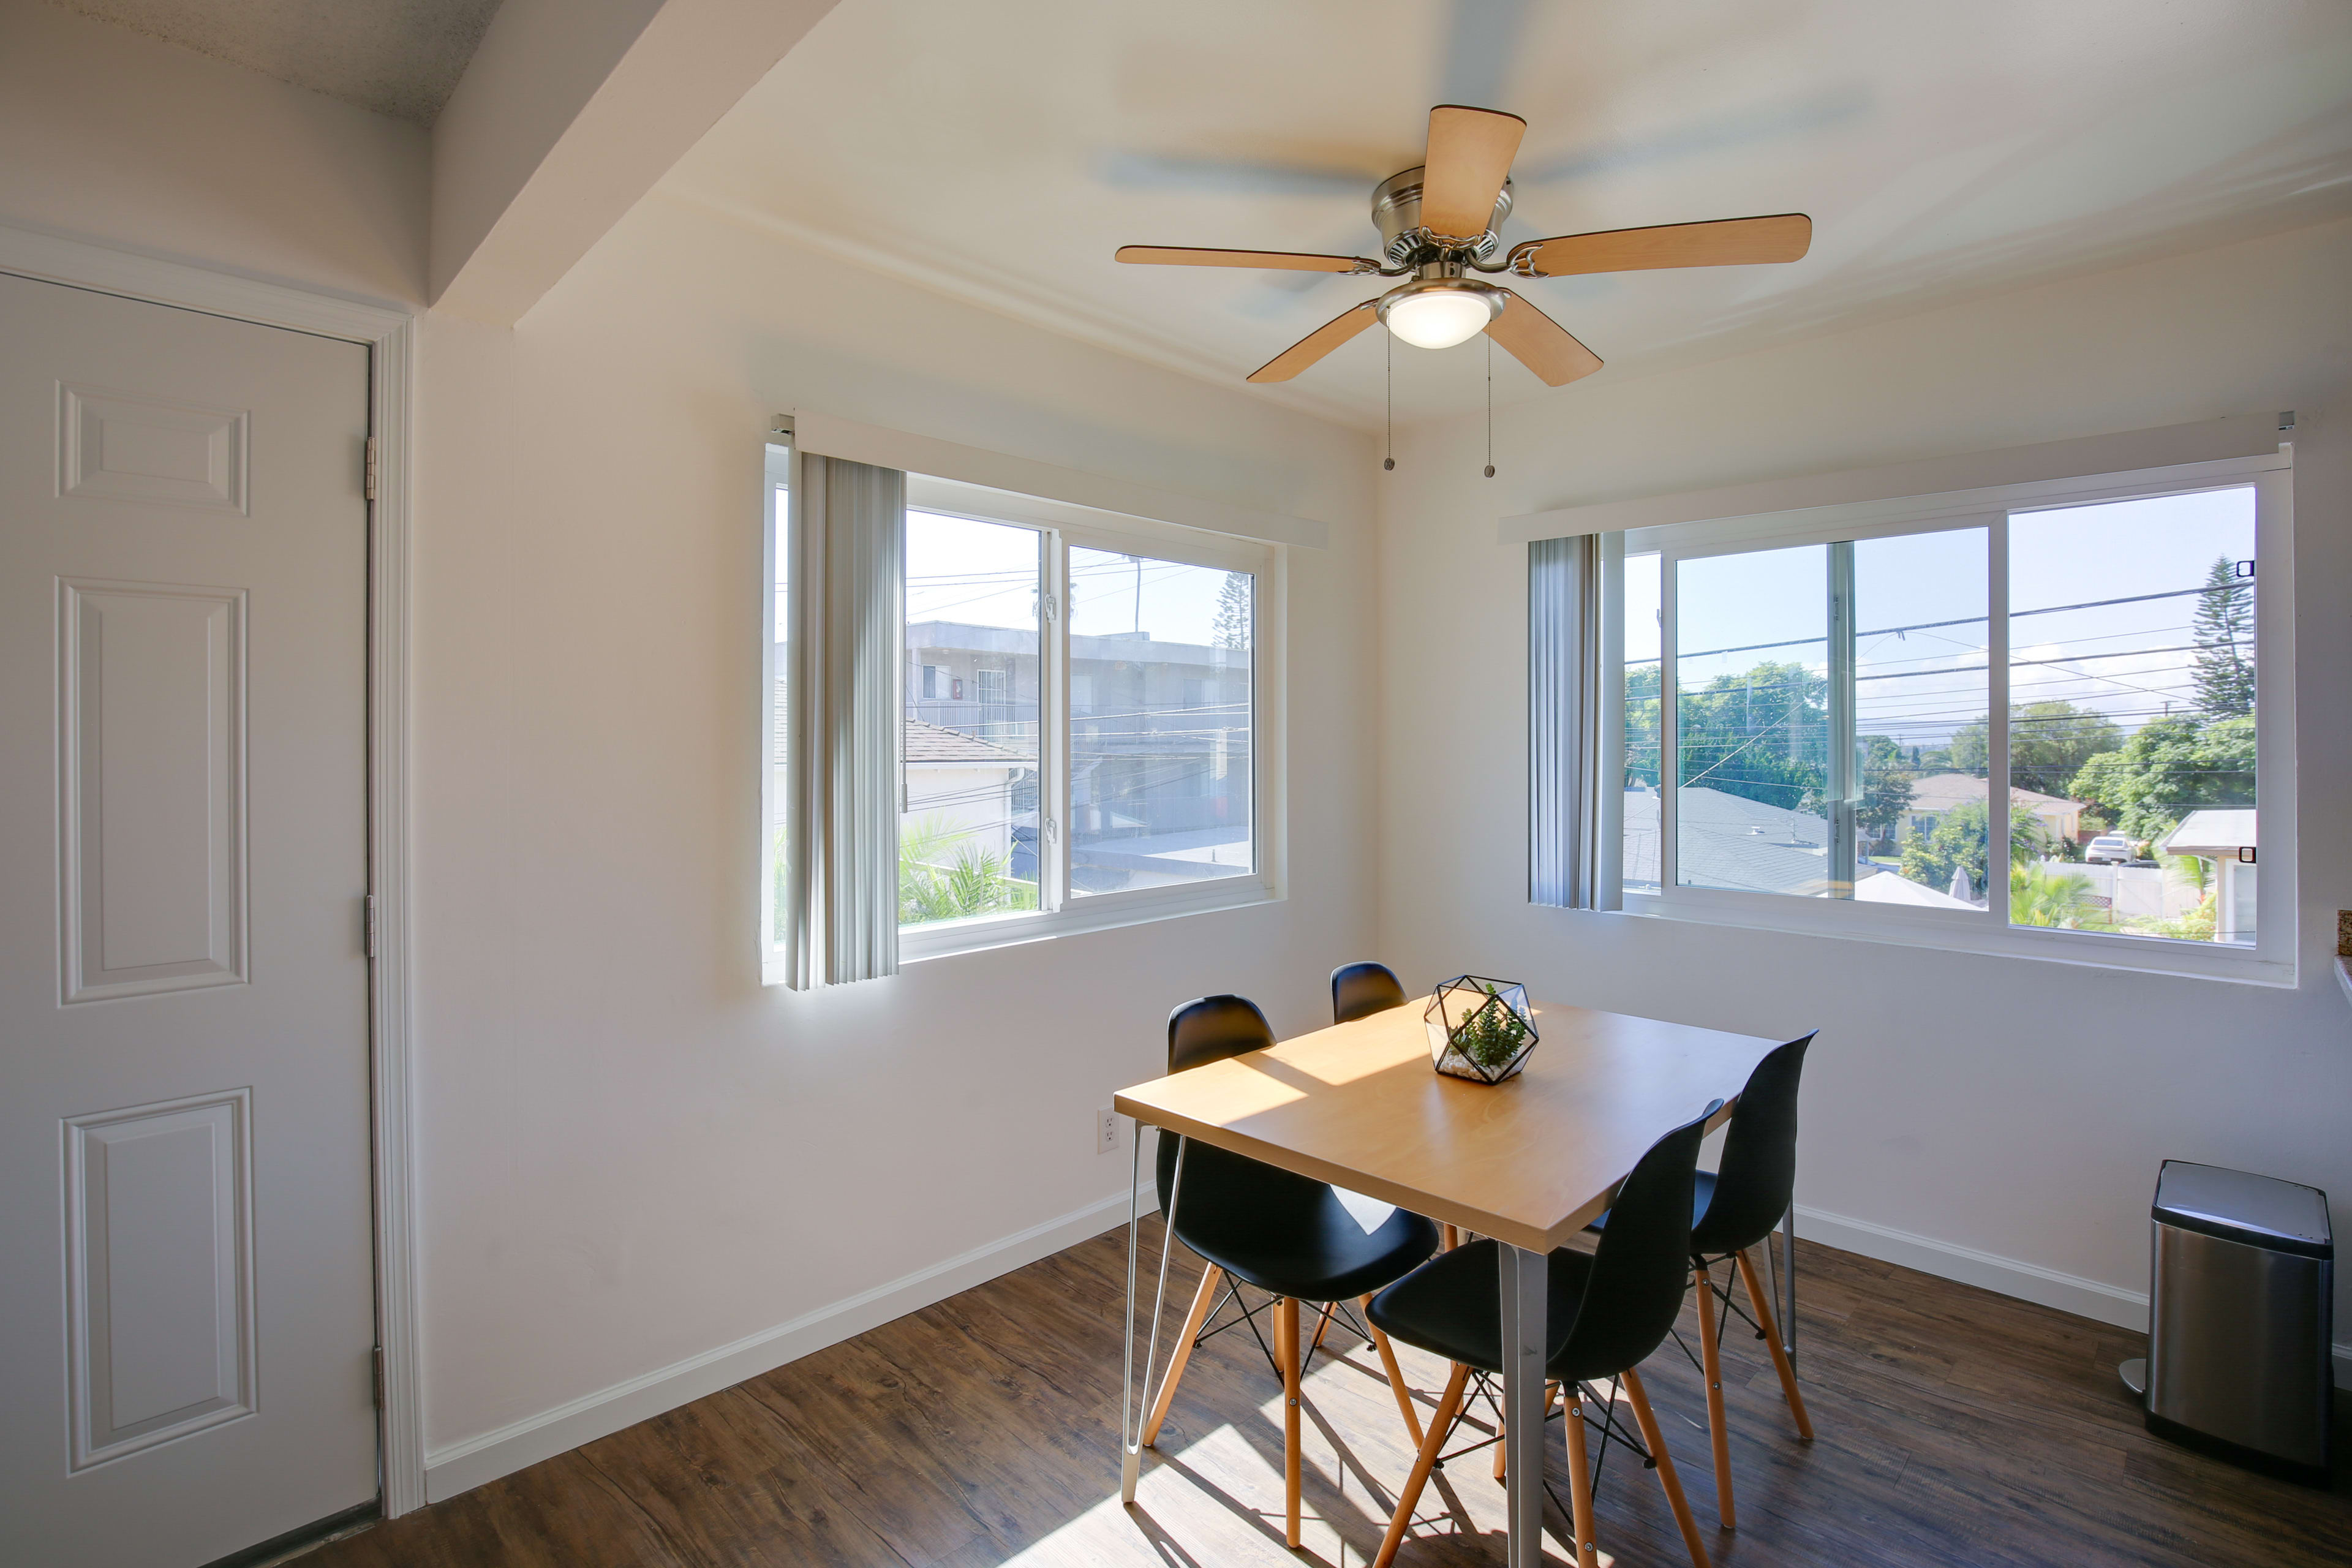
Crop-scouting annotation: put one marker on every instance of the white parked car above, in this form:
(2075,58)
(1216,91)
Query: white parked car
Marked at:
(2109,849)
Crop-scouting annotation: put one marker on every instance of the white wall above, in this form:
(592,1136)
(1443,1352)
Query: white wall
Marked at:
(633,1152)
(2009,1107)
(110,136)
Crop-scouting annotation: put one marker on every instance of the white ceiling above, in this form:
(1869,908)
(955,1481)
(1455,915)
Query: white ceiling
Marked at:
(1001,152)
(400,57)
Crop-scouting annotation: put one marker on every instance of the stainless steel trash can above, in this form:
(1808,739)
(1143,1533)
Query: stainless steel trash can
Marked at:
(2240,1301)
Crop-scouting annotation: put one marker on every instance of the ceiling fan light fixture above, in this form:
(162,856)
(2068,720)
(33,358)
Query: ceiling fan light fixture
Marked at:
(1438,313)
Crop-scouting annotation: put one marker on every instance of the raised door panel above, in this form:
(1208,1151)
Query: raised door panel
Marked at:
(159,1273)
(123,446)
(152,711)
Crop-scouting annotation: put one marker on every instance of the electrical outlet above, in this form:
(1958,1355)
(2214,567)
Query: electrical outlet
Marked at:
(1105,1130)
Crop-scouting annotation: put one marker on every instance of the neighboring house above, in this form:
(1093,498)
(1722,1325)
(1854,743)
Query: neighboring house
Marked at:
(1729,841)
(1159,735)
(1936,794)
(2224,836)
(975,786)
(967,783)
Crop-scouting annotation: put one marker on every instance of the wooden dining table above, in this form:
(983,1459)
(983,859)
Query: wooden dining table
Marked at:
(1530,1161)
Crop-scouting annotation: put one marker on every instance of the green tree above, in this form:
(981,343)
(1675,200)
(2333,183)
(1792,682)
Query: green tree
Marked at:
(1886,779)
(2048,744)
(2039,895)
(1642,726)
(1963,841)
(2168,768)
(937,885)
(1760,734)
(2224,630)
(1231,628)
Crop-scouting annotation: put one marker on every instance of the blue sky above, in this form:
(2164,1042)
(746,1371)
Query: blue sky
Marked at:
(2126,660)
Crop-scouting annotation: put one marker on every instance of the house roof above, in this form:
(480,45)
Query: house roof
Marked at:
(1941,792)
(1888,888)
(922,742)
(929,742)
(2212,832)
(1730,841)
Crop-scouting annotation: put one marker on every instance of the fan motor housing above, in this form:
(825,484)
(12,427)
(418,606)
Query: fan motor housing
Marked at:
(1396,212)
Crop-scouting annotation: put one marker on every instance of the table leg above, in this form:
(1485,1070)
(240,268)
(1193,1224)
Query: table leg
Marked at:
(1131,1414)
(1788,1318)
(1131,1454)
(1525,1279)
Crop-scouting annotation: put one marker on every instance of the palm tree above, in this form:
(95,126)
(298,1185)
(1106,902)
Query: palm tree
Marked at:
(935,884)
(2041,895)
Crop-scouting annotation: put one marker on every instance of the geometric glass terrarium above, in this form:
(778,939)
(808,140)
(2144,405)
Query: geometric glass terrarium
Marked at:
(1480,1030)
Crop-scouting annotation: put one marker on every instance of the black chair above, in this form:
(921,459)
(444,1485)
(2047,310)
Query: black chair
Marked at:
(1732,1211)
(1269,1229)
(1359,990)
(1608,1309)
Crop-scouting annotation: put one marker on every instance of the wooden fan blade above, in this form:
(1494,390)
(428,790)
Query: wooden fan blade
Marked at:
(1287,260)
(1317,343)
(1728,242)
(1540,344)
(1470,153)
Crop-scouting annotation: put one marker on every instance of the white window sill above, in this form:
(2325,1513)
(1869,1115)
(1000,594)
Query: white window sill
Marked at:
(1962,934)
(1100,912)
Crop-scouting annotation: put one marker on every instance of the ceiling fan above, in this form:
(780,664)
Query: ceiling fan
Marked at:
(1442,222)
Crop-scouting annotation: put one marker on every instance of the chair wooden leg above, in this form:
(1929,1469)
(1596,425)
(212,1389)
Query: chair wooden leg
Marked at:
(1396,1378)
(1203,1300)
(1323,1325)
(1711,1364)
(1762,1302)
(1453,1238)
(1655,1441)
(1440,1424)
(1579,1479)
(1286,1334)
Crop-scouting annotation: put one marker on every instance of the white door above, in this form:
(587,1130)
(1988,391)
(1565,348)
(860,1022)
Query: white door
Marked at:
(186,1285)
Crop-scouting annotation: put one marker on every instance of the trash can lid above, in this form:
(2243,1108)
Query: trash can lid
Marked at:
(2238,1205)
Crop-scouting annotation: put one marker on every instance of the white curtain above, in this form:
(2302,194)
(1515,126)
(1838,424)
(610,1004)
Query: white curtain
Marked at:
(1570,720)
(848,587)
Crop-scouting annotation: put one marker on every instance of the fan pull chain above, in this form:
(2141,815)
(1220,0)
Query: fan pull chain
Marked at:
(1389,461)
(1490,405)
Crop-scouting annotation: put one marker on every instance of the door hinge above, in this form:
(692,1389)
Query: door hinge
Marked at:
(379,1376)
(367,470)
(367,924)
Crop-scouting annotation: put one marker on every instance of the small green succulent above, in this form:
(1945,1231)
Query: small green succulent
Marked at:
(1493,1035)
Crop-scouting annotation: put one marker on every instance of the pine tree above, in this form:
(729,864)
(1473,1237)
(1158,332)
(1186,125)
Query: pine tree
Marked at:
(1232,626)
(2224,631)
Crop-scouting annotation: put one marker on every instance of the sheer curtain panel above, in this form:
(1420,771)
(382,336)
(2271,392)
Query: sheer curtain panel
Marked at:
(1569,723)
(848,591)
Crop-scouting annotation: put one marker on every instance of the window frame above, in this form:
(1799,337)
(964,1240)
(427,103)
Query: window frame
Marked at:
(1063,526)
(777,920)
(2273,958)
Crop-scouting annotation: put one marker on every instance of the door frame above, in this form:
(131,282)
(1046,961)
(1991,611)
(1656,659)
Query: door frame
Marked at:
(388,334)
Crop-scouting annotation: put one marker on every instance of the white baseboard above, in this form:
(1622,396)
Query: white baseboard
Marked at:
(461,1467)
(2091,1299)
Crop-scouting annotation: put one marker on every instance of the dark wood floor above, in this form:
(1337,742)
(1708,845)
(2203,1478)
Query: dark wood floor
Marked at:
(1955,1427)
